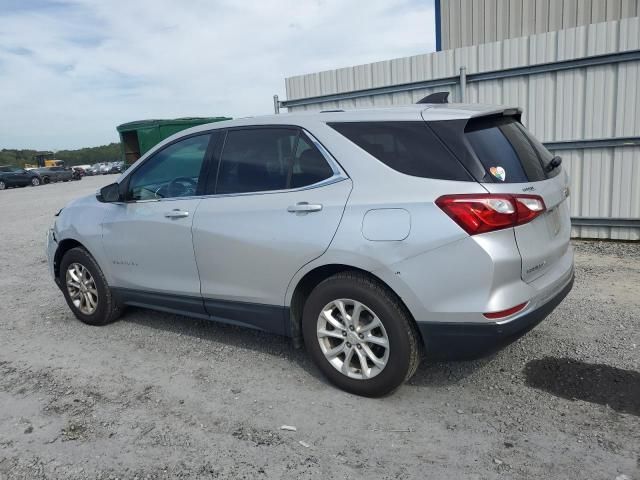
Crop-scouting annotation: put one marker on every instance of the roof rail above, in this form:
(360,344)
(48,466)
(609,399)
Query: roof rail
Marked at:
(437,97)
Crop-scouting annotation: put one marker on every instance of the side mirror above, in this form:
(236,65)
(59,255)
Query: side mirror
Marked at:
(109,194)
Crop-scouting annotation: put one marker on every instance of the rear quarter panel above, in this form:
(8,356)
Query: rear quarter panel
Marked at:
(376,186)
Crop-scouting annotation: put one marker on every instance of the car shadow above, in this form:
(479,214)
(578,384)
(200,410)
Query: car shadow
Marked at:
(231,335)
(429,374)
(432,373)
(595,383)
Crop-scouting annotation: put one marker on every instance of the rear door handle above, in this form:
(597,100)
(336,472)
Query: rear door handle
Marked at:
(176,213)
(304,207)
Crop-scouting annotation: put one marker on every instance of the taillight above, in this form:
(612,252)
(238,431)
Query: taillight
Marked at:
(488,212)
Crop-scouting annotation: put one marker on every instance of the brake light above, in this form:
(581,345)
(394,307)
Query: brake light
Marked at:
(489,212)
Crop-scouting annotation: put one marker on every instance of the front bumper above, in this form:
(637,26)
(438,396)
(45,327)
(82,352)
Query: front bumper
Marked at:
(51,247)
(472,340)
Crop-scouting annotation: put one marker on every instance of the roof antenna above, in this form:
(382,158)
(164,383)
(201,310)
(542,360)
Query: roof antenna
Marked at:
(437,97)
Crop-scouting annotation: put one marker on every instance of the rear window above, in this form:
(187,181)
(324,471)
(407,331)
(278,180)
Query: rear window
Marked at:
(407,147)
(507,151)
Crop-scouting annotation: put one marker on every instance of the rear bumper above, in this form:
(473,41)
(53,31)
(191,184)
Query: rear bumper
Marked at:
(472,340)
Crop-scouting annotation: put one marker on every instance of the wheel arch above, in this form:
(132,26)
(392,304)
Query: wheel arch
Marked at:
(63,247)
(310,280)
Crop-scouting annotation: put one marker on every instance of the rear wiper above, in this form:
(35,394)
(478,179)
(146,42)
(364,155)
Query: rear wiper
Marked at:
(553,164)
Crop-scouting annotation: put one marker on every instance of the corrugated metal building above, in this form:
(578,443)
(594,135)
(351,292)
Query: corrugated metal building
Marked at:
(471,22)
(578,88)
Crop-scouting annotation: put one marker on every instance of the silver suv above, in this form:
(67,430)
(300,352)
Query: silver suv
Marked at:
(373,236)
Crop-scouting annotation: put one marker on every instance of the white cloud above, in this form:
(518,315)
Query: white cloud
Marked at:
(71,71)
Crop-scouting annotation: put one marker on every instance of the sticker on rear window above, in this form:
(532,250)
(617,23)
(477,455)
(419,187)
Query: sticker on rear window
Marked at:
(499,173)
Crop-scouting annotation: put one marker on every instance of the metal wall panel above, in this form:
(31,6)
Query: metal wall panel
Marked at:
(471,22)
(598,101)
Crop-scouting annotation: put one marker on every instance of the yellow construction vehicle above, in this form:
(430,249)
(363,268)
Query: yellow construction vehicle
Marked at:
(45,159)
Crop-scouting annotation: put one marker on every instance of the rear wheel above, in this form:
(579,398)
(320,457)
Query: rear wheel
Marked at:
(45,180)
(86,290)
(360,335)
(2,185)
(35,181)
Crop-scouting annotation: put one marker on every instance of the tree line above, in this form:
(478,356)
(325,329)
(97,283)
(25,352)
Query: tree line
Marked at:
(81,156)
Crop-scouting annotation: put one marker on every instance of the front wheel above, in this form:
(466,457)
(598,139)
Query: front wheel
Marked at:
(86,290)
(35,181)
(360,335)
(2,185)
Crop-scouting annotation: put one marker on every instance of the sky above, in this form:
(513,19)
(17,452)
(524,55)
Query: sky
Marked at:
(72,70)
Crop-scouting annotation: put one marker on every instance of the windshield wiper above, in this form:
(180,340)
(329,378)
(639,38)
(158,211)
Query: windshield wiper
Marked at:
(553,164)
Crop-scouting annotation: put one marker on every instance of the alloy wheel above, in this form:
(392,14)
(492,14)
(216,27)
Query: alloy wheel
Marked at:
(3,185)
(35,181)
(353,339)
(82,288)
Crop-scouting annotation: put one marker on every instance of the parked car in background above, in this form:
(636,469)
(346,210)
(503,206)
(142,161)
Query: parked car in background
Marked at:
(116,167)
(78,172)
(104,168)
(11,176)
(372,235)
(55,174)
(92,169)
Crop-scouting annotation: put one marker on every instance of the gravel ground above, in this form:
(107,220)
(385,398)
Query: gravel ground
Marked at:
(161,396)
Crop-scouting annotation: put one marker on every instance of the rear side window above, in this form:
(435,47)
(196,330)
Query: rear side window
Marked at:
(256,160)
(507,151)
(267,159)
(309,165)
(407,147)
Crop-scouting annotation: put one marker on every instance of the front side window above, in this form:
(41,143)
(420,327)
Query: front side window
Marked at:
(172,172)
(267,159)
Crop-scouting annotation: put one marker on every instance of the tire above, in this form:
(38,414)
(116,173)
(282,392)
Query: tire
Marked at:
(3,185)
(106,308)
(35,181)
(46,180)
(402,354)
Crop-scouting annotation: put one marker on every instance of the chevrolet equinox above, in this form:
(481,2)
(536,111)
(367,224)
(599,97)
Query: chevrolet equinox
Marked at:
(373,236)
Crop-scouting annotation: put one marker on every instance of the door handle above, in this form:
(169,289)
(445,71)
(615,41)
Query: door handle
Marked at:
(304,207)
(176,213)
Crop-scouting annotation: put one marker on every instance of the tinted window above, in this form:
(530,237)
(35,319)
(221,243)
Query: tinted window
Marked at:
(5,169)
(507,151)
(408,147)
(256,160)
(172,172)
(545,155)
(309,165)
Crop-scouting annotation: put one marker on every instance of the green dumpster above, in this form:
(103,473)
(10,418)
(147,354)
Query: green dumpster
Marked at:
(137,138)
